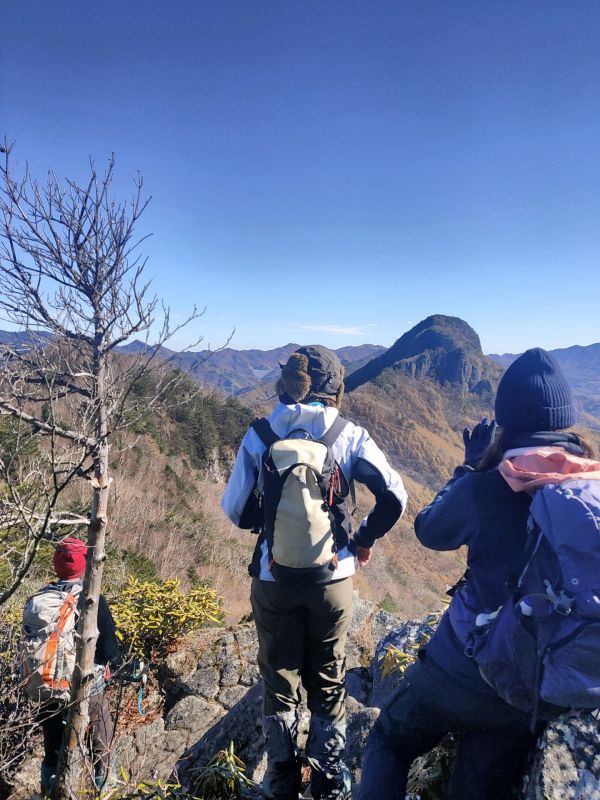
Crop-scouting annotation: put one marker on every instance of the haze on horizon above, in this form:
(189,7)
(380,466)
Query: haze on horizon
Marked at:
(334,172)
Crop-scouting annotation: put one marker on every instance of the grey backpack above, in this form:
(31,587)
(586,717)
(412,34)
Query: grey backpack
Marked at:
(47,644)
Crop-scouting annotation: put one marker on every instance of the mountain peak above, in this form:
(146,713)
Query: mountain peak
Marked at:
(456,331)
(445,349)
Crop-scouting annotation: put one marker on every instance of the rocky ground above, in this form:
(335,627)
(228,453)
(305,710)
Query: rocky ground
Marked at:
(212,695)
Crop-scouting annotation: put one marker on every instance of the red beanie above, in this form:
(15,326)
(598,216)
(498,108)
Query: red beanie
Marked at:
(69,559)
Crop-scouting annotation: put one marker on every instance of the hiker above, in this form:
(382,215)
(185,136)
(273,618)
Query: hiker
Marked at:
(485,506)
(291,480)
(48,660)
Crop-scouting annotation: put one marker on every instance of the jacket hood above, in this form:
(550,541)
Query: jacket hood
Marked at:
(314,419)
(525,469)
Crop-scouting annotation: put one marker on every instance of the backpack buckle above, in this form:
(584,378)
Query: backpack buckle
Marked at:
(563,603)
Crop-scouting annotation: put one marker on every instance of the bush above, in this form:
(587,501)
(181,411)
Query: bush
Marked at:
(224,777)
(17,714)
(151,616)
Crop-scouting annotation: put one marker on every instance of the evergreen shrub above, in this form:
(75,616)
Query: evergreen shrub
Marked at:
(150,616)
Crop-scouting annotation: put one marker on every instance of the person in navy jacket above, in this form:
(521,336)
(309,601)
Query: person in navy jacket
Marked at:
(444,691)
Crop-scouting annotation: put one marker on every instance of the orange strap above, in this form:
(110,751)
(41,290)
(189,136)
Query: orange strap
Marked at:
(67,609)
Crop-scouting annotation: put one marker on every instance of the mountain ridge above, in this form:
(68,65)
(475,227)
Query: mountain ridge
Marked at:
(443,348)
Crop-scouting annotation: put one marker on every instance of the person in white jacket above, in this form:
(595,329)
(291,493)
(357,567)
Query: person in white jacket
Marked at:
(302,615)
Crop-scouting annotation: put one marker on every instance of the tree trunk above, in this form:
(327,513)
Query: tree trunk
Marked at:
(75,761)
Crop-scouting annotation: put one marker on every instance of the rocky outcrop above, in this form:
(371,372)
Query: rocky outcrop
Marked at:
(445,349)
(209,674)
(213,695)
(565,765)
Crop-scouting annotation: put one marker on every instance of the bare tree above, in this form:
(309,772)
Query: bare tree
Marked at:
(72,282)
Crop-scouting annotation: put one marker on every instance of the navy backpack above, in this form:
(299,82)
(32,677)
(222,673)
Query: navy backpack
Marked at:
(543,644)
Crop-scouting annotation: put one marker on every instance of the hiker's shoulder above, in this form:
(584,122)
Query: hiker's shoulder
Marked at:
(481,480)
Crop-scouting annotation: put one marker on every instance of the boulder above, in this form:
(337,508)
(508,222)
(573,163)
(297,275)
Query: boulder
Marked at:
(566,762)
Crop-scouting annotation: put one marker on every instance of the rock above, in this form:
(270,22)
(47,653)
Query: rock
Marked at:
(193,714)
(360,720)
(250,675)
(142,754)
(358,684)
(204,682)
(566,764)
(242,726)
(402,638)
(230,695)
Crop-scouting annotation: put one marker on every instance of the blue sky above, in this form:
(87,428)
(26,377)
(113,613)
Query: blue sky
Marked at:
(334,171)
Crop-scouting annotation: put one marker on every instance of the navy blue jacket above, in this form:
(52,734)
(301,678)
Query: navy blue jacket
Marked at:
(479,510)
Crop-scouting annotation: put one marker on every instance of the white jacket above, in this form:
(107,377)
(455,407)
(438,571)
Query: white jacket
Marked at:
(355,452)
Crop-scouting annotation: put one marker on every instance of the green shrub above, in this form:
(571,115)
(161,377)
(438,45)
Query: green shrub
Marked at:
(223,778)
(151,616)
(389,604)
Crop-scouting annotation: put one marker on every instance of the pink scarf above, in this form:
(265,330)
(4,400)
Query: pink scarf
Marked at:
(524,472)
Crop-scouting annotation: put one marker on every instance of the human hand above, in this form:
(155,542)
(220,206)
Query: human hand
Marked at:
(478,440)
(363,554)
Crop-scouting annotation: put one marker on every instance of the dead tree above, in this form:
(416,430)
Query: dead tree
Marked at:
(72,282)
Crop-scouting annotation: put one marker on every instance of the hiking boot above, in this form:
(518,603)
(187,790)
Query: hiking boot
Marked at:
(100,777)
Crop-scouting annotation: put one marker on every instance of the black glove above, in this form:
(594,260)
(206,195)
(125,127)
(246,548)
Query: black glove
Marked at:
(478,440)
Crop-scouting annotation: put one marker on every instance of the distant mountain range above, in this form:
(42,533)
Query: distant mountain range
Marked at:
(445,349)
(237,371)
(231,371)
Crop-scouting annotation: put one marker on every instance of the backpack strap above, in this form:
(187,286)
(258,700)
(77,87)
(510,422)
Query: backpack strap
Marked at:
(333,432)
(328,438)
(264,432)
(67,609)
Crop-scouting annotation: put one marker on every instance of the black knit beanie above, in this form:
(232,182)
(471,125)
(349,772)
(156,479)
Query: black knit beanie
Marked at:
(533,395)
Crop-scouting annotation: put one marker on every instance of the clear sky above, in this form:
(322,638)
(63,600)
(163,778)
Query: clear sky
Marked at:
(334,171)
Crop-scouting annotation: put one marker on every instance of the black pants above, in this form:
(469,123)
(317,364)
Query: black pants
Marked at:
(493,737)
(52,718)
